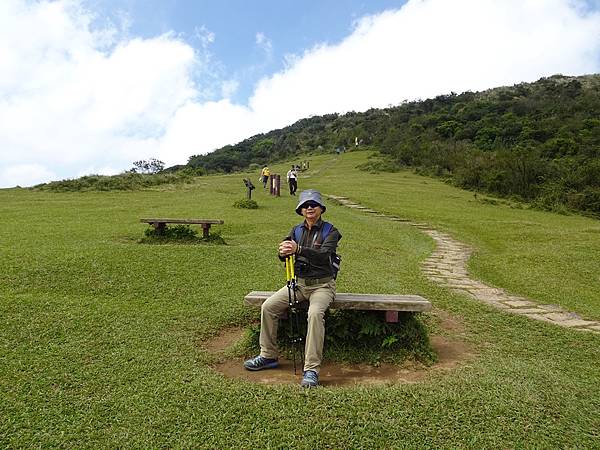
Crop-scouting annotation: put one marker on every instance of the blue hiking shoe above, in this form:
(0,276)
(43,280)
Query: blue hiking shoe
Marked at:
(310,379)
(260,363)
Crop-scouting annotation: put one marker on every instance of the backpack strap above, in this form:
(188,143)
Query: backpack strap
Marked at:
(298,233)
(325,230)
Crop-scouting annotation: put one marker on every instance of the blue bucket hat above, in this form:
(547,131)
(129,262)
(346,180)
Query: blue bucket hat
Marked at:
(307,196)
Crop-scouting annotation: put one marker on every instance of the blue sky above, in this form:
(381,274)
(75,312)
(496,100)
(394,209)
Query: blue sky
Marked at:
(288,27)
(89,86)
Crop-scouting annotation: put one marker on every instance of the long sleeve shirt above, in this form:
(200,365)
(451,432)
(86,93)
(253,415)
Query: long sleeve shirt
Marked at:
(313,258)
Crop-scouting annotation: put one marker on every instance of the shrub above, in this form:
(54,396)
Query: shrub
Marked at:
(179,234)
(123,182)
(368,333)
(380,165)
(246,203)
(172,232)
(361,336)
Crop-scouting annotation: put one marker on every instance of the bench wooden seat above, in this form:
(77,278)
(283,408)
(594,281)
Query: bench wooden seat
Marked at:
(160,224)
(391,304)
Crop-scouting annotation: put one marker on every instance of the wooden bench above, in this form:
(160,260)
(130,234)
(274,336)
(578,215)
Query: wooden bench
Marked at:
(391,304)
(160,224)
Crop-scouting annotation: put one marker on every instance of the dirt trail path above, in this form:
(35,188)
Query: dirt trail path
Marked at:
(447,266)
(451,349)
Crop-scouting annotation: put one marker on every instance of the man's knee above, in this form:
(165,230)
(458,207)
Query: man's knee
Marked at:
(269,307)
(274,305)
(316,314)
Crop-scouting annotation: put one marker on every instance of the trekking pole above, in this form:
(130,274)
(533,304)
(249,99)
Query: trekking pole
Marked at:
(293,312)
(289,267)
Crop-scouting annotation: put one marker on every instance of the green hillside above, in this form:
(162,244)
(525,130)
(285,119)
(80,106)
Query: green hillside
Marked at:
(536,142)
(103,339)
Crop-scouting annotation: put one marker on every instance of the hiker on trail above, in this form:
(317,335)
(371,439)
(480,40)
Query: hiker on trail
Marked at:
(315,283)
(265,173)
(292,179)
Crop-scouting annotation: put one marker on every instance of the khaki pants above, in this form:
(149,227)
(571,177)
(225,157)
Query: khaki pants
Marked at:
(319,298)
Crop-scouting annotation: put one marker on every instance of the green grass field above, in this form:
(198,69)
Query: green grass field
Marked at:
(101,337)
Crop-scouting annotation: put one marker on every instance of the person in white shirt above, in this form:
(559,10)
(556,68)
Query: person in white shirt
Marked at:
(292,179)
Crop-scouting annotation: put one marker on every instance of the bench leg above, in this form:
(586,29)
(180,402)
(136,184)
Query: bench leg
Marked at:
(391,316)
(159,228)
(205,228)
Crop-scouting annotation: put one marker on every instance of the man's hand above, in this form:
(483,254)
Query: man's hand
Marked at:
(287,248)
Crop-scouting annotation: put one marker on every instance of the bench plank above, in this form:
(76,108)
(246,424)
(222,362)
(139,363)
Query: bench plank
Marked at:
(343,300)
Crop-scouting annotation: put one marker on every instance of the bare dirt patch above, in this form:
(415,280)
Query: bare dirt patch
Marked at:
(450,348)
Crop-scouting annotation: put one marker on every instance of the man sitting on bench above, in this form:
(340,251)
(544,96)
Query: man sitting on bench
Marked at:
(314,243)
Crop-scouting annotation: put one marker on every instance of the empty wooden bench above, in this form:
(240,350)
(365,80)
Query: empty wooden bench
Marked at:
(391,304)
(160,224)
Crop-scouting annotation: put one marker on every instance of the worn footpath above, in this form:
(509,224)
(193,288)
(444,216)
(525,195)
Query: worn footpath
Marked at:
(447,266)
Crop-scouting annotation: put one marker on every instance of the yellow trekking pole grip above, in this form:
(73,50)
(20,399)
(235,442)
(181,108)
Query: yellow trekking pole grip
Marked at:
(292,274)
(288,276)
(289,267)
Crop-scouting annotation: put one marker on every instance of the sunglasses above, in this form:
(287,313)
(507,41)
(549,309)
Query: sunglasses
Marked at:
(310,204)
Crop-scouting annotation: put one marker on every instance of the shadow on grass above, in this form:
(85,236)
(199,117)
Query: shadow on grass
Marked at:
(158,240)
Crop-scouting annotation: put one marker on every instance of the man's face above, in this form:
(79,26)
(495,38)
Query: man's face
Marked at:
(311,211)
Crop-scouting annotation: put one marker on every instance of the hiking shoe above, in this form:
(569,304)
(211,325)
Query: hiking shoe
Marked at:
(260,363)
(310,379)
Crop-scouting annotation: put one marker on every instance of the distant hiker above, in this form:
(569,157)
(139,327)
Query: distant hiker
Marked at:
(265,173)
(292,179)
(314,243)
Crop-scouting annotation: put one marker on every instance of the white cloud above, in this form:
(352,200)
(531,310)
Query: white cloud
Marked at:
(211,125)
(25,175)
(431,47)
(74,98)
(264,43)
(68,100)
(229,87)
(206,36)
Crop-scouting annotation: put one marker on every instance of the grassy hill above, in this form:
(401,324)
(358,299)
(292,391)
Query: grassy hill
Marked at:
(537,142)
(102,338)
